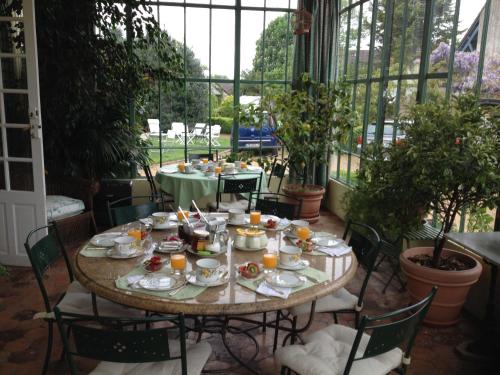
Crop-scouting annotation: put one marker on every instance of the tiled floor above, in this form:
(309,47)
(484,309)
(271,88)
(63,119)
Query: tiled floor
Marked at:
(22,340)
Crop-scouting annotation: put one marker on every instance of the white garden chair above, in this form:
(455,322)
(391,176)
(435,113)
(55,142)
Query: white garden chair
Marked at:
(154,128)
(177,132)
(215,135)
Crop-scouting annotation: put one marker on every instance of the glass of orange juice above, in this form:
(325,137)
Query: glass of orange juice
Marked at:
(270,262)
(303,233)
(255,218)
(218,170)
(205,160)
(180,217)
(243,165)
(181,167)
(178,263)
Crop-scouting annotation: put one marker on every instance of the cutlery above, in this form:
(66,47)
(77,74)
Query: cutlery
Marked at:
(177,290)
(280,292)
(199,212)
(184,216)
(310,278)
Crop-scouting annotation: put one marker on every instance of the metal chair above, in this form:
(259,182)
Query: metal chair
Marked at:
(236,186)
(203,156)
(366,244)
(376,353)
(278,169)
(122,350)
(280,205)
(164,197)
(119,214)
(42,254)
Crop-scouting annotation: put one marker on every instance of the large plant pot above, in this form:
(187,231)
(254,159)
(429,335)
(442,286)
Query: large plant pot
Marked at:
(311,196)
(453,285)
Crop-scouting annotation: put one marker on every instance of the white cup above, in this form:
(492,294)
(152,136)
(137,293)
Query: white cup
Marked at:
(237,164)
(160,219)
(188,168)
(123,245)
(290,255)
(207,270)
(295,224)
(236,215)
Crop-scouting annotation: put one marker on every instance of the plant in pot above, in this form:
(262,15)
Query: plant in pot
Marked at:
(451,151)
(309,120)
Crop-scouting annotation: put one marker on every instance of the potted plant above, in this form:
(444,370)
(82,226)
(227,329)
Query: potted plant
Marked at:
(451,155)
(309,121)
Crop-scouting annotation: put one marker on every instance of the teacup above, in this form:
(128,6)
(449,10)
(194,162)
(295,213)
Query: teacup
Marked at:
(123,245)
(160,219)
(236,215)
(188,168)
(290,255)
(207,270)
(229,168)
(237,164)
(295,224)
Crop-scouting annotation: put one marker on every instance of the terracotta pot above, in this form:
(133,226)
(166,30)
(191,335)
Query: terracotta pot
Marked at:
(311,196)
(453,285)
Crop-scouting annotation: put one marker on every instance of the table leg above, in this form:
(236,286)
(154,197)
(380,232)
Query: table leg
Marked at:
(487,347)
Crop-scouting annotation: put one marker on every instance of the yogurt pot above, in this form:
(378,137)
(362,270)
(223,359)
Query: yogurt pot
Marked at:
(290,255)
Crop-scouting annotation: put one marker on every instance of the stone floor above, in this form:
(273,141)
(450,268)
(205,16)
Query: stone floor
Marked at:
(22,340)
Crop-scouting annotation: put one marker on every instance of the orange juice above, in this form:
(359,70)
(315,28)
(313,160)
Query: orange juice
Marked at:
(255,217)
(180,217)
(218,170)
(181,167)
(178,262)
(243,165)
(303,233)
(270,261)
(205,161)
(136,233)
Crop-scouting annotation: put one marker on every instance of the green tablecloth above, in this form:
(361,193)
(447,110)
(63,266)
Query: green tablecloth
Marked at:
(186,187)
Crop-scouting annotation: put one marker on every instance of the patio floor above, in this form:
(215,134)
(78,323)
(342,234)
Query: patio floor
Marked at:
(22,340)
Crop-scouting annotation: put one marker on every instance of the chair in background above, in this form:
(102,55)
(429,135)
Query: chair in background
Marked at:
(236,187)
(42,254)
(176,132)
(342,350)
(165,198)
(198,131)
(278,170)
(124,351)
(214,135)
(366,244)
(204,156)
(119,214)
(280,205)
(154,128)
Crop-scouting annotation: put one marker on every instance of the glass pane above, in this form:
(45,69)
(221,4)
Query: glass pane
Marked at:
(342,44)
(252,22)
(198,1)
(196,103)
(379,38)
(222,43)
(397,35)
(14,73)
(280,4)
(364,47)
(222,106)
(172,21)
(344,3)
(21,176)
(355,162)
(343,167)
(414,36)
(275,53)
(390,97)
(250,93)
(353,42)
(19,142)
(2,176)
(197,40)
(16,108)
(408,95)
(11,40)
(333,165)
(252,3)
(224,2)
(442,31)
(436,88)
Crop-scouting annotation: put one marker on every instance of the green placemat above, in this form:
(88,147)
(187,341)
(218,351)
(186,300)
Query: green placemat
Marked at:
(91,251)
(316,253)
(190,291)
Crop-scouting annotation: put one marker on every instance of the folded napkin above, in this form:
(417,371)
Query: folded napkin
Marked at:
(133,280)
(336,251)
(168,170)
(273,291)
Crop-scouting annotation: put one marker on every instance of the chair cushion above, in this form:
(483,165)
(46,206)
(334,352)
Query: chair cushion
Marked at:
(60,206)
(226,206)
(78,300)
(197,356)
(340,300)
(326,353)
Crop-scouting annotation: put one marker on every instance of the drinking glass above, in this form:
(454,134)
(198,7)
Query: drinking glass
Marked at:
(218,170)
(178,263)
(255,218)
(180,217)
(303,233)
(181,167)
(270,262)
(205,161)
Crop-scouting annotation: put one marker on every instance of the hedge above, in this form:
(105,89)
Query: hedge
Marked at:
(225,122)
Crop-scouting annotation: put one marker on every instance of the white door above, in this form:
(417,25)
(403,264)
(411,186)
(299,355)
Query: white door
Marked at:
(22,183)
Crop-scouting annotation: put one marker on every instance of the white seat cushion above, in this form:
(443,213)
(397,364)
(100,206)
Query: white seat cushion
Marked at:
(226,206)
(59,207)
(326,353)
(340,300)
(78,300)
(197,356)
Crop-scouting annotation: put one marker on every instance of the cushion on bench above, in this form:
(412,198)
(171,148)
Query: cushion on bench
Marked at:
(59,207)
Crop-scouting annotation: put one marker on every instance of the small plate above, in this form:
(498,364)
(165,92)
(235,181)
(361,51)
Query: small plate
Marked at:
(212,255)
(105,239)
(327,241)
(112,253)
(167,225)
(285,279)
(248,248)
(169,250)
(223,279)
(303,264)
(160,281)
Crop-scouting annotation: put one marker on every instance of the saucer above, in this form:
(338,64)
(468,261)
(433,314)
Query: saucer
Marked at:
(112,253)
(105,239)
(285,279)
(248,248)
(161,281)
(211,255)
(303,264)
(241,222)
(222,279)
(167,225)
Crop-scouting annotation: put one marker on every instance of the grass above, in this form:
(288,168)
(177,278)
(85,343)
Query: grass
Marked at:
(172,151)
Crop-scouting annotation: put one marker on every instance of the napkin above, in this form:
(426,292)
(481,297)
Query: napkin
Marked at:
(168,170)
(132,280)
(336,251)
(273,291)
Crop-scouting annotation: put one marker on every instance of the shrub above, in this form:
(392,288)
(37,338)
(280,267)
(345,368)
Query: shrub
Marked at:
(225,122)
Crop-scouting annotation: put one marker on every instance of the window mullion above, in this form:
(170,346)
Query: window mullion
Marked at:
(401,61)
(484,36)
(424,56)
(451,59)
(236,98)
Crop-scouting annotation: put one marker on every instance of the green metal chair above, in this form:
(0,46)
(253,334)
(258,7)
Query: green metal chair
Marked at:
(280,205)
(236,187)
(366,244)
(278,169)
(42,254)
(376,353)
(120,214)
(143,350)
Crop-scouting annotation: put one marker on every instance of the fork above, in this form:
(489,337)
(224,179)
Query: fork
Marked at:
(178,290)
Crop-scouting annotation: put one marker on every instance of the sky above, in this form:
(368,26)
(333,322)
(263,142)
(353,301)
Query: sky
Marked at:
(252,23)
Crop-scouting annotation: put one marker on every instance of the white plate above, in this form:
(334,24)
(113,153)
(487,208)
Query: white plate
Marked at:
(191,279)
(263,219)
(105,239)
(169,250)
(285,279)
(212,255)
(159,281)
(248,248)
(242,222)
(327,241)
(303,264)
(112,253)
(167,225)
